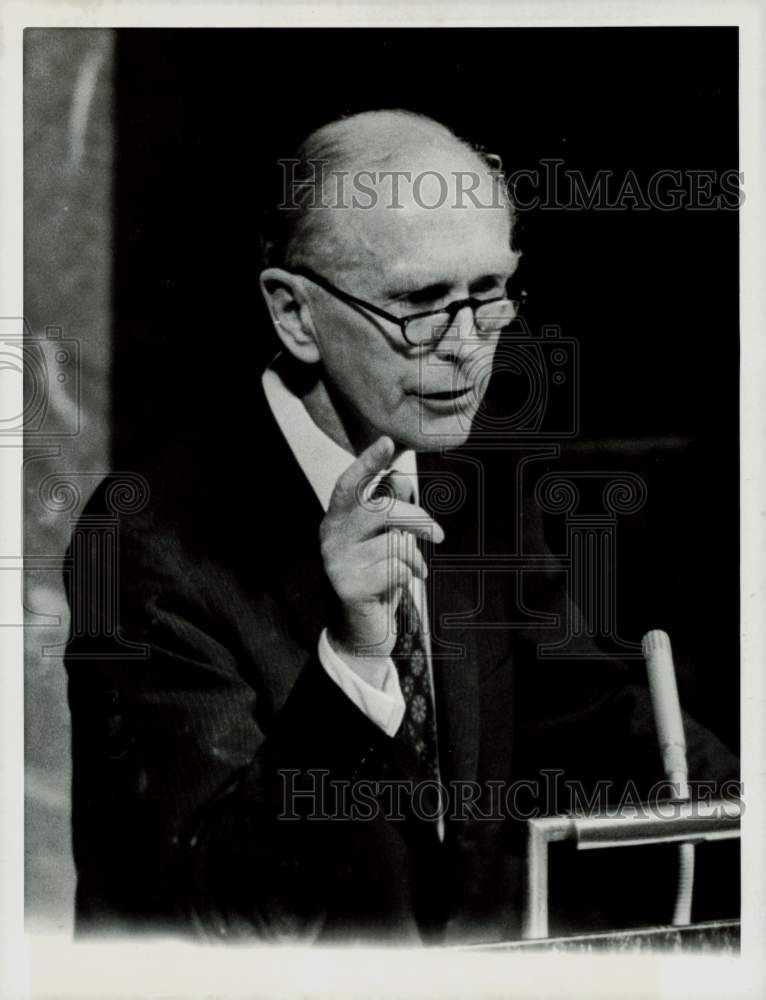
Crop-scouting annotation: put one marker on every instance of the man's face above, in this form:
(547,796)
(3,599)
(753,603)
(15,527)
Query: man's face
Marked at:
(408,260)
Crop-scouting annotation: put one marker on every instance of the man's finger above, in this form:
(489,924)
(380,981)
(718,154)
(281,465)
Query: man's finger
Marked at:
(386,577)
(373,460)
(365,521)
(394,545)
(414,520)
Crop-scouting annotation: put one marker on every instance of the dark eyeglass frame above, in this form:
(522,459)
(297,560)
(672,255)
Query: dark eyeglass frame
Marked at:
(451,308)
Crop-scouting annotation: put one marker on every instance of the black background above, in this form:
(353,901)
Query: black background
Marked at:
(650,296)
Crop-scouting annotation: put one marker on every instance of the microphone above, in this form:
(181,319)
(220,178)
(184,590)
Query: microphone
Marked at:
(670,733)
(667,710)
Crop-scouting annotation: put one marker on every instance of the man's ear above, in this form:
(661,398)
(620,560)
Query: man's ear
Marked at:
(290,313)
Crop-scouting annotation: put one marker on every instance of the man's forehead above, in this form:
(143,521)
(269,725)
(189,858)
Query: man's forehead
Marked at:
(401,275)
(420,245)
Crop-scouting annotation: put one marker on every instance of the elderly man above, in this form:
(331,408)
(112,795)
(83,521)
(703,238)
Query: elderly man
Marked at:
(310,720)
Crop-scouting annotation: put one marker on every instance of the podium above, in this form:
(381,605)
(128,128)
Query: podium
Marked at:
(720,936)
(681,822)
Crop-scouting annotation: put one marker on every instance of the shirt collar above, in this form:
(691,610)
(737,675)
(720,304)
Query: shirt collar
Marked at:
(321,459)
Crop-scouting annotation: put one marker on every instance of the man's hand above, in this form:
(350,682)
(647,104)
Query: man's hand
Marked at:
(370,553)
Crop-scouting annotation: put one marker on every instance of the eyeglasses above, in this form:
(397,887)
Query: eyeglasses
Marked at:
(428,328)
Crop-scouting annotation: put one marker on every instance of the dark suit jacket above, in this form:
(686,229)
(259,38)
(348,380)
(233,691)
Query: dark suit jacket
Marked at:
(186,746)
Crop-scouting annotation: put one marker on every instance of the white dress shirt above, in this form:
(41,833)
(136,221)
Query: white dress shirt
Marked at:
(323,461)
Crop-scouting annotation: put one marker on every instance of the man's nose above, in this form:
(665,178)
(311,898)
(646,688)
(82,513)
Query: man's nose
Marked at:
(460,332)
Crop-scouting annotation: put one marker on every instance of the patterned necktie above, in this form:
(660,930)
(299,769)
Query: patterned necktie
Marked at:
(418,728)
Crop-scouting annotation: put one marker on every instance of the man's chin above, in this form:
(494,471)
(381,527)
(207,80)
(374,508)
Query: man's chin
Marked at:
(434,435)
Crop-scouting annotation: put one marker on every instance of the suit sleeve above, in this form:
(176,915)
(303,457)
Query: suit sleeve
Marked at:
(197,799)
(384,705)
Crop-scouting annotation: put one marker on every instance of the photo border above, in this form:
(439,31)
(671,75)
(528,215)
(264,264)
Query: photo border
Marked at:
(53,967)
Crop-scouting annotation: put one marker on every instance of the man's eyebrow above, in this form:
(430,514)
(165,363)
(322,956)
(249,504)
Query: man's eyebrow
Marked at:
(433,288)
(492,278)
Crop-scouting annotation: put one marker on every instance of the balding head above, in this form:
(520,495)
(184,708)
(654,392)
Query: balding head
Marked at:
(386,159)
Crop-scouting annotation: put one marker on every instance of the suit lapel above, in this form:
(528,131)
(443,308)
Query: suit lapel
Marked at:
(456,687)
(297,576)
(455,646)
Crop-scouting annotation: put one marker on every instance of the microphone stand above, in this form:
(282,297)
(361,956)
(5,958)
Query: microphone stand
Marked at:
(689,822)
